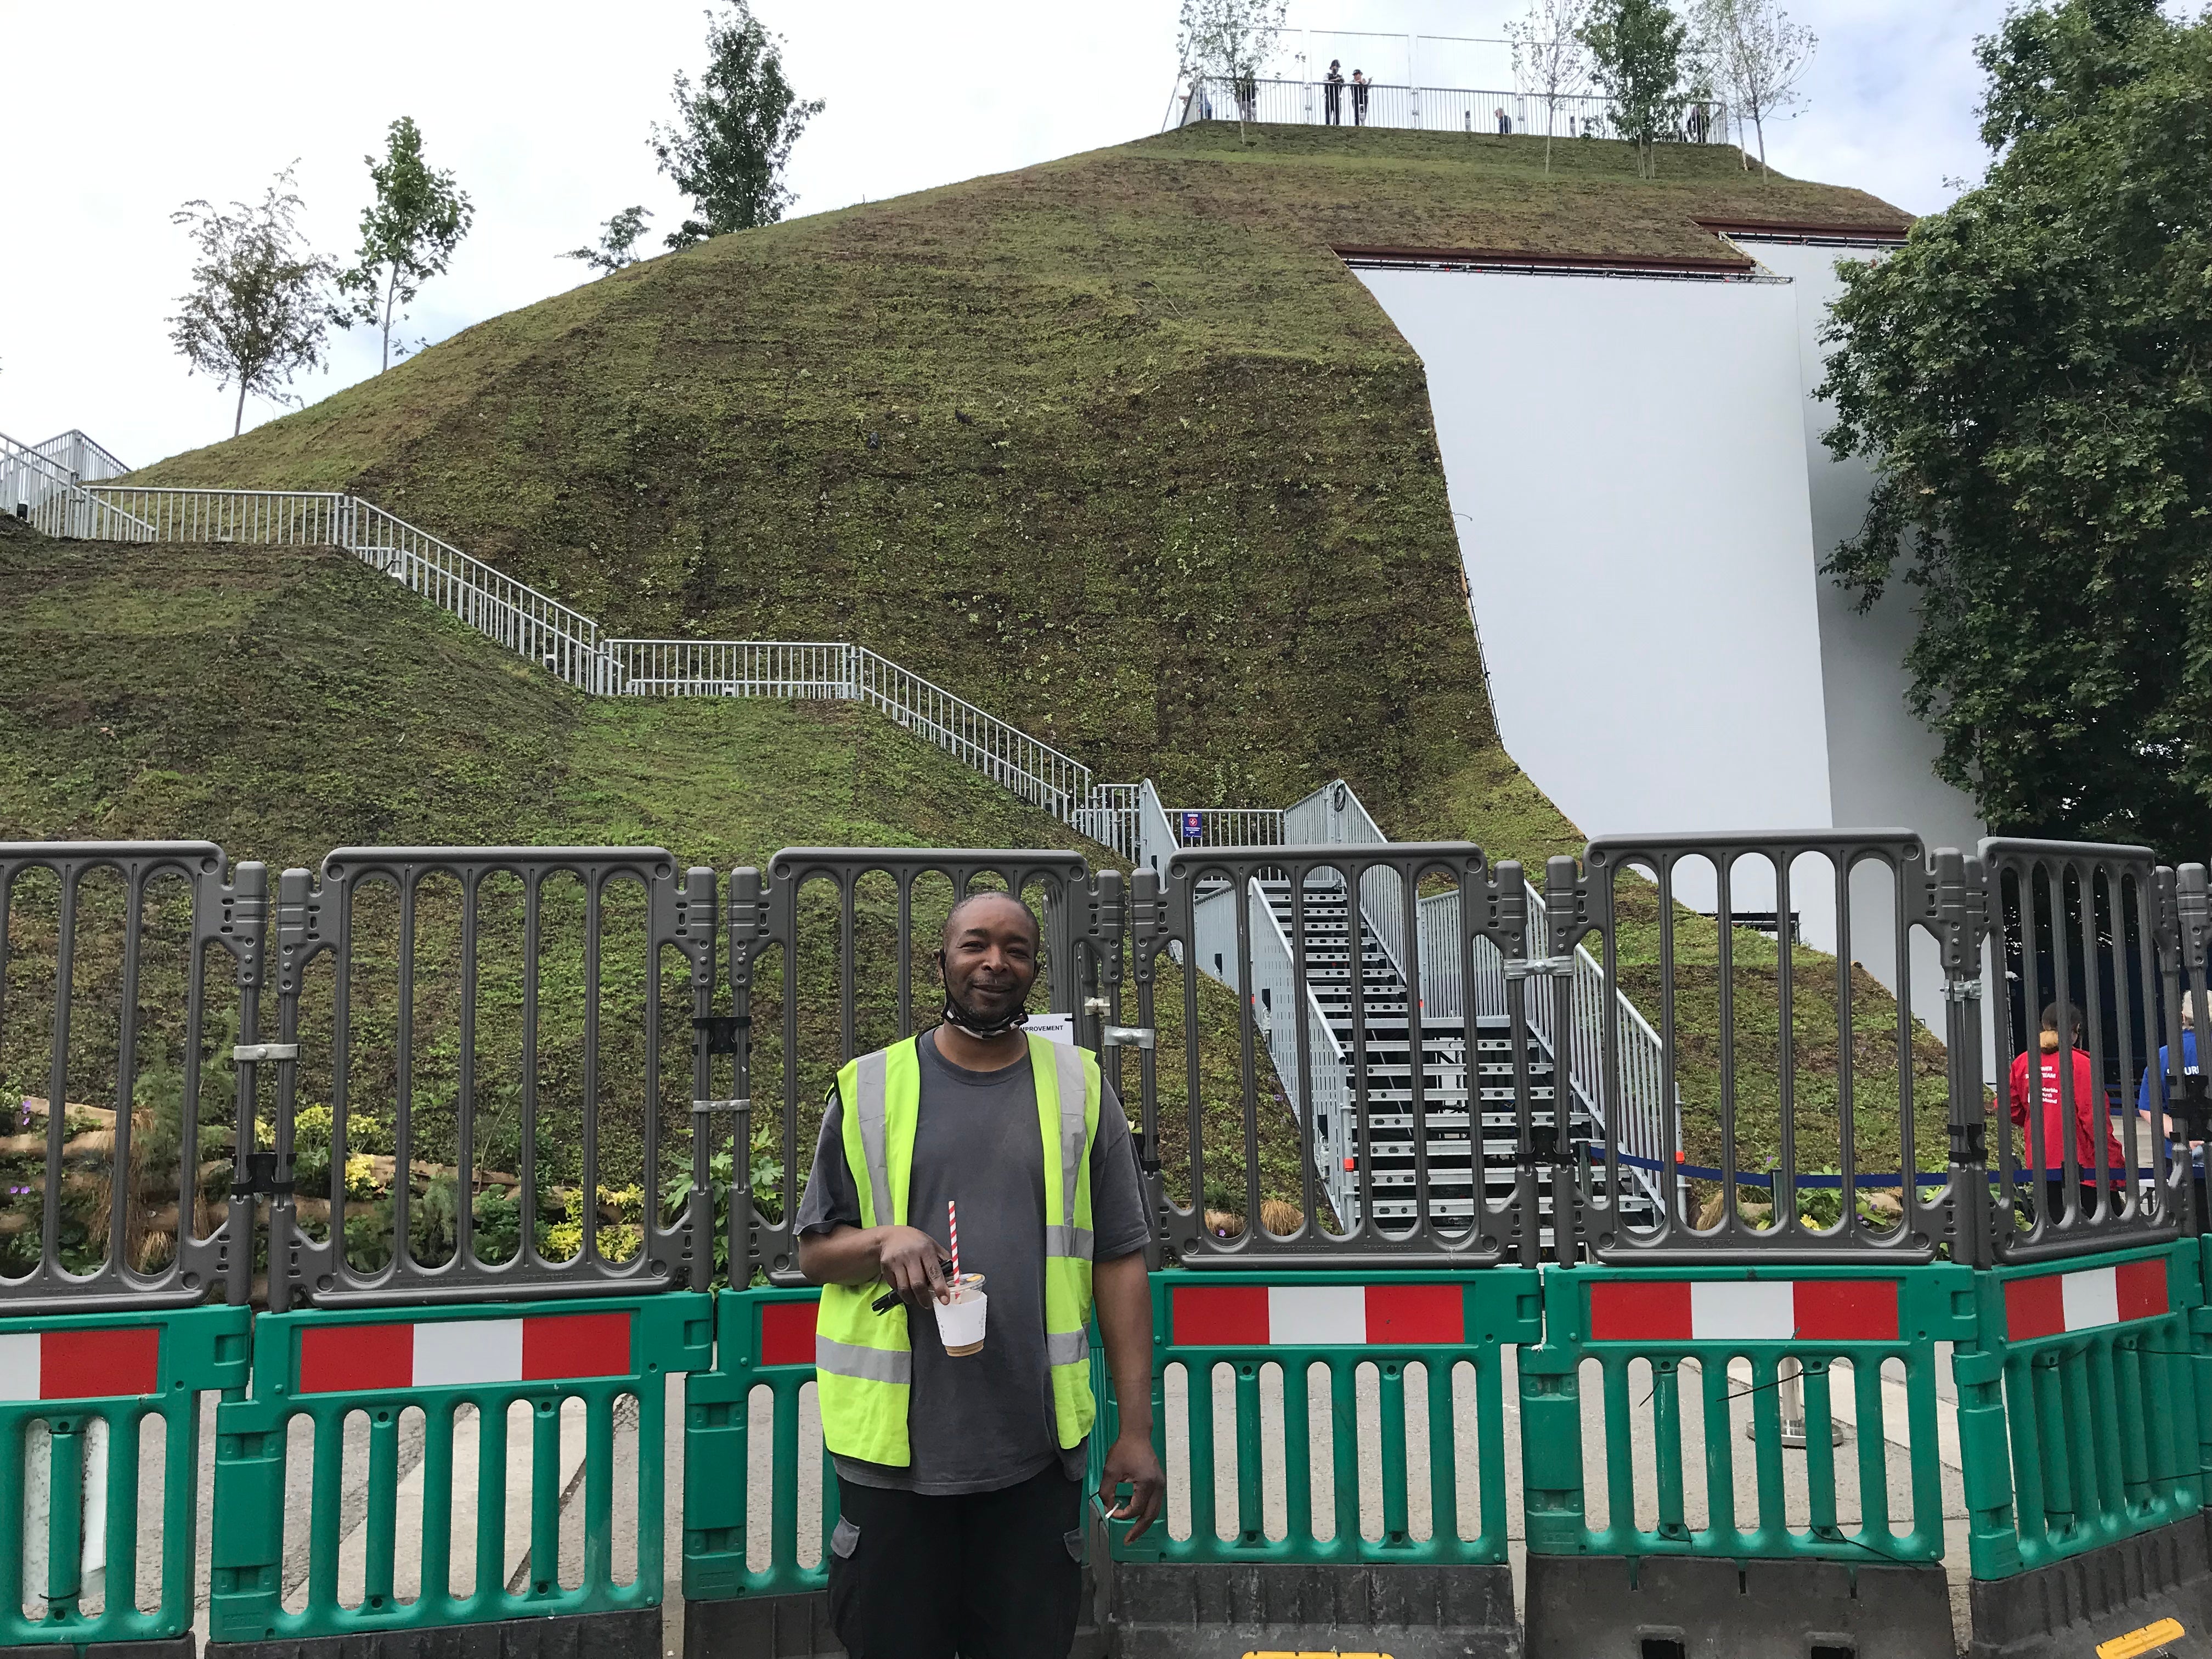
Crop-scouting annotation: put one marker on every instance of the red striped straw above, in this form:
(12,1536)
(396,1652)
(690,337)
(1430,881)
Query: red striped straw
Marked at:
(952,1226)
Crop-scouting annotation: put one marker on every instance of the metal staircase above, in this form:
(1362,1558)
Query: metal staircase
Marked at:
(1467,1123)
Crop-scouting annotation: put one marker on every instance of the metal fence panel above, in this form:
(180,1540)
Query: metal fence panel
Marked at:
(1698,973)
(1293,944)
(463,1368)
(823,952)
(478,953)
(2076,924)
(105,974)
(78,1393)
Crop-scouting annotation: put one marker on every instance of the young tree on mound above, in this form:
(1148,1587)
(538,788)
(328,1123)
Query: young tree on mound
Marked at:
(1230,40)
(258,311)
(1637,46)
(2031,378)
(1758,55)
(1548,56)
(408,232)
(617,242)
(734,131)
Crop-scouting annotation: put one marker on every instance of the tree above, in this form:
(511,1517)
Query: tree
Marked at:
(1231,40)
(734,131)
(1636,46)
(2031,378)
(1758,55)
(258,311)
(408,234)
(618,241)
(1548,56)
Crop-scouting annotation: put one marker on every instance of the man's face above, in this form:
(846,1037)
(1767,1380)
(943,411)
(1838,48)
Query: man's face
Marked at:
(991,955)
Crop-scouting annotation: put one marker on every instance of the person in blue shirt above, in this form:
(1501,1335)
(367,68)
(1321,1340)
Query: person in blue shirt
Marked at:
(2158,1074)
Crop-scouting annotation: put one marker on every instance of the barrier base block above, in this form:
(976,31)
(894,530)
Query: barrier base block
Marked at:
(165,1647)
(633,1634)
(2073,1606)
(1618,1606)
(796,1627)
(760,1627)
(1168,1610)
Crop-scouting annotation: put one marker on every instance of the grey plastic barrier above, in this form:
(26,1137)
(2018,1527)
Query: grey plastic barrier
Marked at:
(108,951)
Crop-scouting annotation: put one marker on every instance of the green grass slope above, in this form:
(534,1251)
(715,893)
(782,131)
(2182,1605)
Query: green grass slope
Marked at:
(1114,445)
(281,701)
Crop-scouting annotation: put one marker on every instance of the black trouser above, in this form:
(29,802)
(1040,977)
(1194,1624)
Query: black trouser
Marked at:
(2054,1197)
(987,1575)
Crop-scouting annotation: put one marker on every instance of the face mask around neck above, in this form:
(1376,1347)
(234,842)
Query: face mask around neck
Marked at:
(976,1026)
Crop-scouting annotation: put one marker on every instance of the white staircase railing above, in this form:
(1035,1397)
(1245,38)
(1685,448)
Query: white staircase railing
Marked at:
(43,490)
(1646,1126)
(77,455)
(1026,766)
(554,635)
(1275,1008)
(1335,816)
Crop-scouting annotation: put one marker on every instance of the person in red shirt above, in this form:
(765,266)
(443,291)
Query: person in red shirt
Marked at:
(2089,1111)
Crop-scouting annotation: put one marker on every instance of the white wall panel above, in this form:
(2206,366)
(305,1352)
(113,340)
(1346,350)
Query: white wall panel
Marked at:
(1880,757)
(1627,460)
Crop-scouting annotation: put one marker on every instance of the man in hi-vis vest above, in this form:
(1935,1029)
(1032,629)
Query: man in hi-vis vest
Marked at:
(960,1476)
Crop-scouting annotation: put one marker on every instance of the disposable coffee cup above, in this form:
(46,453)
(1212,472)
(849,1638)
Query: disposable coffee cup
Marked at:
(960,1322)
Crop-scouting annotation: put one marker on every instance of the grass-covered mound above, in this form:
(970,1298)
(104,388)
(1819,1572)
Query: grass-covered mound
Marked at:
(1117,447)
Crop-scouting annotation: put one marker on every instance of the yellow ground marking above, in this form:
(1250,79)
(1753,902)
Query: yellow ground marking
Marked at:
(2142,1641)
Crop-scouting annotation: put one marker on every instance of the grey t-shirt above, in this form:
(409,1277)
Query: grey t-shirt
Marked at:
(984,1421)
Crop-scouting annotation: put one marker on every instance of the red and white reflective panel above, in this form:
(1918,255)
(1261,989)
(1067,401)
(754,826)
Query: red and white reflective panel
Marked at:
(2051,1304)
(1316,1315)
(94,1365)
(445,1353)
(786,1333)
(1743,1310)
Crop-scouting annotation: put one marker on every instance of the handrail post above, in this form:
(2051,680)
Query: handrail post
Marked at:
(1962,912)
(2190,915)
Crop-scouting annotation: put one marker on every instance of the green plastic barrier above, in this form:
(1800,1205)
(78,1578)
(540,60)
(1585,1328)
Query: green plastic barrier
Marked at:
(119,1369)
(1816,1315)
(323,1366)
(2081,1422)
(764,1339)
(1294,1320)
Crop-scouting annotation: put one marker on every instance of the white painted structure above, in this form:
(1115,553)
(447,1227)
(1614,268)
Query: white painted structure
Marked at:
(1643,502)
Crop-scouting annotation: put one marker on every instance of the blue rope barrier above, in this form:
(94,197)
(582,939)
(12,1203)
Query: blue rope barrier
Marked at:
(1881,1178)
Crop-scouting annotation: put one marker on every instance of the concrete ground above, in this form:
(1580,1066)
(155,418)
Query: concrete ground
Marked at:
(1314,1440)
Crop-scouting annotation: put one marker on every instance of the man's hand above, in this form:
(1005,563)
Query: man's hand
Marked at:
(1133,1459)
(909,1259)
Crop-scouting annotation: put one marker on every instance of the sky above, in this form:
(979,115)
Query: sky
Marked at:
(543,111)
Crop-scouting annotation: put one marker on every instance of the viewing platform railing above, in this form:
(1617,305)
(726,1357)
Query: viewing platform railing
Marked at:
(1431,109)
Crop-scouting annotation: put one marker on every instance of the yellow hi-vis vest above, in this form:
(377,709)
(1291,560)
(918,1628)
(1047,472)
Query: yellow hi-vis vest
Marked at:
(863,1363)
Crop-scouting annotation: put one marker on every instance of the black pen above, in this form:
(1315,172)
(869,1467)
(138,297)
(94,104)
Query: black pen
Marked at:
(890,1299)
